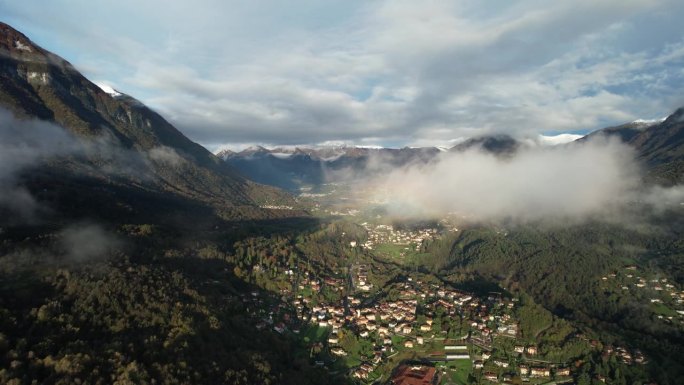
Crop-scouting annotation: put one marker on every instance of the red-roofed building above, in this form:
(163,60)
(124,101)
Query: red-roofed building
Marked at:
(415,375)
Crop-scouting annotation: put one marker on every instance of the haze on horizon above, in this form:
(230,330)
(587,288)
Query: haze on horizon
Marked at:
(373,73)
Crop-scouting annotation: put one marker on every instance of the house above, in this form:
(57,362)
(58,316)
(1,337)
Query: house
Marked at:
(338,352)
(540,372)
(280,327)
(358,373)
(501,363)
(518,348)
(562,371)
(531,350)
(408,344)
(478,364)
(524,370)
(491,376)
(414,375)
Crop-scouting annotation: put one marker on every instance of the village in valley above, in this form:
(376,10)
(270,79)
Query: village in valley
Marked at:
(415,327)
(371,312)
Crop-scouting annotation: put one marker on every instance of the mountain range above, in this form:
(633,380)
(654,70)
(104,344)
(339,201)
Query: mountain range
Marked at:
(659,146)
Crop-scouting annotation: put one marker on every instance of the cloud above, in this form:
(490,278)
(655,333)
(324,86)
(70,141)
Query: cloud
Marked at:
(28,143)
(87,242)
(660,199)
(400,72)
(24,144)
(566,183)
(165,155)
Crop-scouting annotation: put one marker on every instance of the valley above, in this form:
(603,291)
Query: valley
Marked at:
(129,254)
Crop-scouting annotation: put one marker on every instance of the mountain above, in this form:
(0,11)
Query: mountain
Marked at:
(659,145)
(293,167)
(624,132)
(37,84)
(504,145)
(115,242)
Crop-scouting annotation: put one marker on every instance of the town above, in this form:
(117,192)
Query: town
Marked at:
(418,325)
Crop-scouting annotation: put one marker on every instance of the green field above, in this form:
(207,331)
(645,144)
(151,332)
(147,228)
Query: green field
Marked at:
(457,372)
(314,333)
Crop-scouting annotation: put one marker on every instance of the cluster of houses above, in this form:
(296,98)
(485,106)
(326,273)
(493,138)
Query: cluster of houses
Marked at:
(383,234)
(526,372)
(381,320)
(361,281)
(624,355)
(661,291)
(413,314)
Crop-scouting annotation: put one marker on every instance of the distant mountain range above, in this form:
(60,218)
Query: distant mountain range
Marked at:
(38,85)
(292,168)
(658,144)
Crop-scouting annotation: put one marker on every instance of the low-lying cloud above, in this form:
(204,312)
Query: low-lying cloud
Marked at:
(566,183)
(165,155)
(24,144)
(87,242)
(27,143)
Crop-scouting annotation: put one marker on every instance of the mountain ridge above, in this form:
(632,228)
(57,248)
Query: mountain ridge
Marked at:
(659,145)
(37,84)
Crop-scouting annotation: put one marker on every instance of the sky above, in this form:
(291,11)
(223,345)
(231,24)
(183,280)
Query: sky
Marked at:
(390,73)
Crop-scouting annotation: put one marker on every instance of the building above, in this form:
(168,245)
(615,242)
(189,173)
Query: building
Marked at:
(540,372)
(338,352)
(457,356)
(455,347)
(501,363)
(563,371)
(414,375)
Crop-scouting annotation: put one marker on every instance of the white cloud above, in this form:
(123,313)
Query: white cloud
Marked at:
(400,71)
(565,183)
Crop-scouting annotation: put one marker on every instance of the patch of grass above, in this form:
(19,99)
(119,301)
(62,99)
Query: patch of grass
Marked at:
(315,333)
(662,309)
(458,372)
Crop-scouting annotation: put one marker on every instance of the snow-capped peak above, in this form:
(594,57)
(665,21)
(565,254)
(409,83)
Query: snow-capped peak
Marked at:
(108,89)
(554,140)
(649,122)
